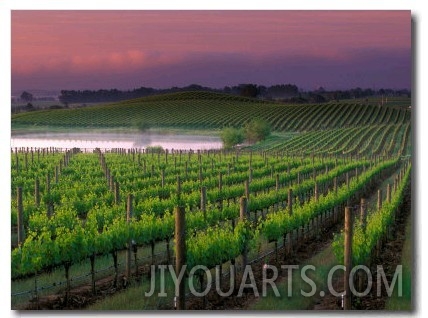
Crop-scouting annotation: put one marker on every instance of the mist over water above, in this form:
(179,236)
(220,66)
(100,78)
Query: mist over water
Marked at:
(91,140)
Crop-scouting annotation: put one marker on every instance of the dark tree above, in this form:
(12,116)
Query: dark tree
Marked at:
(26,96)
(283,91)
(248,90)
(316,98)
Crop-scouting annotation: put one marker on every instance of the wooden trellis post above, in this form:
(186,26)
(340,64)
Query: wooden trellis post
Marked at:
(348,258)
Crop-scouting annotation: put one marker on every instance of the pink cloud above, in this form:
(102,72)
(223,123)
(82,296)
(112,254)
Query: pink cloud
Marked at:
(135,57)
(120,41)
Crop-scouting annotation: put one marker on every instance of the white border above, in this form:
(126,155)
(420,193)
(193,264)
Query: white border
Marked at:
(417,13)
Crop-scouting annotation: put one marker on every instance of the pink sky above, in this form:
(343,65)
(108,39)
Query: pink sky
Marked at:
(128,49)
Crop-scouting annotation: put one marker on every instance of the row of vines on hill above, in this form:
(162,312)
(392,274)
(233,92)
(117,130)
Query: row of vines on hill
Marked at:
(218,111)
(388,140)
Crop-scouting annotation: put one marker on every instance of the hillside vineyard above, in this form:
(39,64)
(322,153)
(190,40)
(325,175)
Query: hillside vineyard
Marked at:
(73,208)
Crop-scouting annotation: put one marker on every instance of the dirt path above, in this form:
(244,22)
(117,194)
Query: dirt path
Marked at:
(389,258)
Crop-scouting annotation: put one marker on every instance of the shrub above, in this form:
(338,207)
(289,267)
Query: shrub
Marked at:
(231,137)
(154,149)
(256,130)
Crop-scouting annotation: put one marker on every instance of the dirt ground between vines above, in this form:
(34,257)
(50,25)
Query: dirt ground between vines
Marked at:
(80,297)
(389,258)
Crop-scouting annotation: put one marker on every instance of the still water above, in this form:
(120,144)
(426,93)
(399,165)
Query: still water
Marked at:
(108,140)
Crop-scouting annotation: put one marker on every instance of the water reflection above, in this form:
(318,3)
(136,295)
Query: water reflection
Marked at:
(91,140)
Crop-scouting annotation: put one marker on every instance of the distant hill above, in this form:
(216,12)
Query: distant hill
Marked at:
(211,110)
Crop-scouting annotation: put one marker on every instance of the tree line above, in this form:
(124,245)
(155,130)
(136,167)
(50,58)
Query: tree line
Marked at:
(280,92)
(113,95)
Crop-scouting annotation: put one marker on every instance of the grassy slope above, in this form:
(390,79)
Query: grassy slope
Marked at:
(404,302)
(323,263)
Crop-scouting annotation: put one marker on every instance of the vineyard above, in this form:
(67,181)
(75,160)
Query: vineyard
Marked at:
(99,220)
(214,111)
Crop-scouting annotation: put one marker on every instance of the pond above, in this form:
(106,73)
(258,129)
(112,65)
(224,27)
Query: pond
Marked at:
(109,140)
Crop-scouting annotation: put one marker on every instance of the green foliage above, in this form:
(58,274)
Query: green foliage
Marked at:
(86,220)
(231,137)
(257,130)
(155,149)
(218,244)
(281,223)
(377,224)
